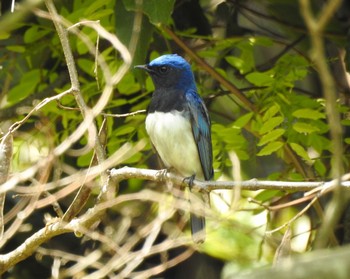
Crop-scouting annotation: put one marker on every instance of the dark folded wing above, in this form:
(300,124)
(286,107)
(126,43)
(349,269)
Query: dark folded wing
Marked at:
(200,123)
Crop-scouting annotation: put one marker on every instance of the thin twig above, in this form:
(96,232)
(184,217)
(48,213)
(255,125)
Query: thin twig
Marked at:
(123,114)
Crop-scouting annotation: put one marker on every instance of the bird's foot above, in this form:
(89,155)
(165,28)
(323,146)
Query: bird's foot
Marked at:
(161,174)
(189,181)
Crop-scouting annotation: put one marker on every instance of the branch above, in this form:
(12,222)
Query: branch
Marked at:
(55,228)
(6,147)
(82,224)
(252,185)
(29,246)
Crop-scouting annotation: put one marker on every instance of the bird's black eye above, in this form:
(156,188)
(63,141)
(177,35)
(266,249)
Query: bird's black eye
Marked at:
(163,69)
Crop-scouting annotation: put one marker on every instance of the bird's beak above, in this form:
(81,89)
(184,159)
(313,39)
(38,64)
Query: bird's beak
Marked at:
(143,67)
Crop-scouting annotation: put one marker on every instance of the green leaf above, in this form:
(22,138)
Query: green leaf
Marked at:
(4,35)
(236,62)
(34,33)
(85,159)
(243,120)
(295,176)
(270,148)
(262,41)
(242,155)
(345,122)
(87,66)
(319,143)
(320,168)
(270,124)
(124,130)
(94,6)
(300,151)
(305,128)
(157,11)
(101,14)
(260,79)
(274,176)
(247,55)
(267,195)
(271,112)
(26,86)
(308,114)
(128,84)
(19,49)
(81,46)
(273,135)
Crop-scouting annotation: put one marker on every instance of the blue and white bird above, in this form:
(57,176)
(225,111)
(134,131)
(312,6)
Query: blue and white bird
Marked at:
(178,124)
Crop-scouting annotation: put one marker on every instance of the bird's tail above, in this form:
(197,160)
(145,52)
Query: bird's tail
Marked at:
(199,201)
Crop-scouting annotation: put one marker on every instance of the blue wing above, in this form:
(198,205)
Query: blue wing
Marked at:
(200,123)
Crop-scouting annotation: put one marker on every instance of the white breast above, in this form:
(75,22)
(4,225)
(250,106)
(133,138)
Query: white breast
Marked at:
(171,135)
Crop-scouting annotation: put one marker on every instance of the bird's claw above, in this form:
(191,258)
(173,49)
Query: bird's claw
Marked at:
(189,181)
(162,174)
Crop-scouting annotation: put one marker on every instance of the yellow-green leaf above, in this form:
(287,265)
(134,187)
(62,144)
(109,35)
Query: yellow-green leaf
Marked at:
(243,120)
(157,11)
(273,135)
(305,128)
(320,167)
(16,48)
(271,112)
(235,62)
(270,124)
(270,148)
(300,151)
(260,79)
(25,87)
(308,114)
(124,130)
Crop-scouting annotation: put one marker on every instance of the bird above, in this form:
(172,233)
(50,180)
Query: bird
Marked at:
(179,128)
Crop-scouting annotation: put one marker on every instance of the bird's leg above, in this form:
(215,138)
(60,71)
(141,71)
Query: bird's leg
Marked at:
(189,181)
(162,175)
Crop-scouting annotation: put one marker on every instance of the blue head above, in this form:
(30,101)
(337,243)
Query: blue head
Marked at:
(170,71)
